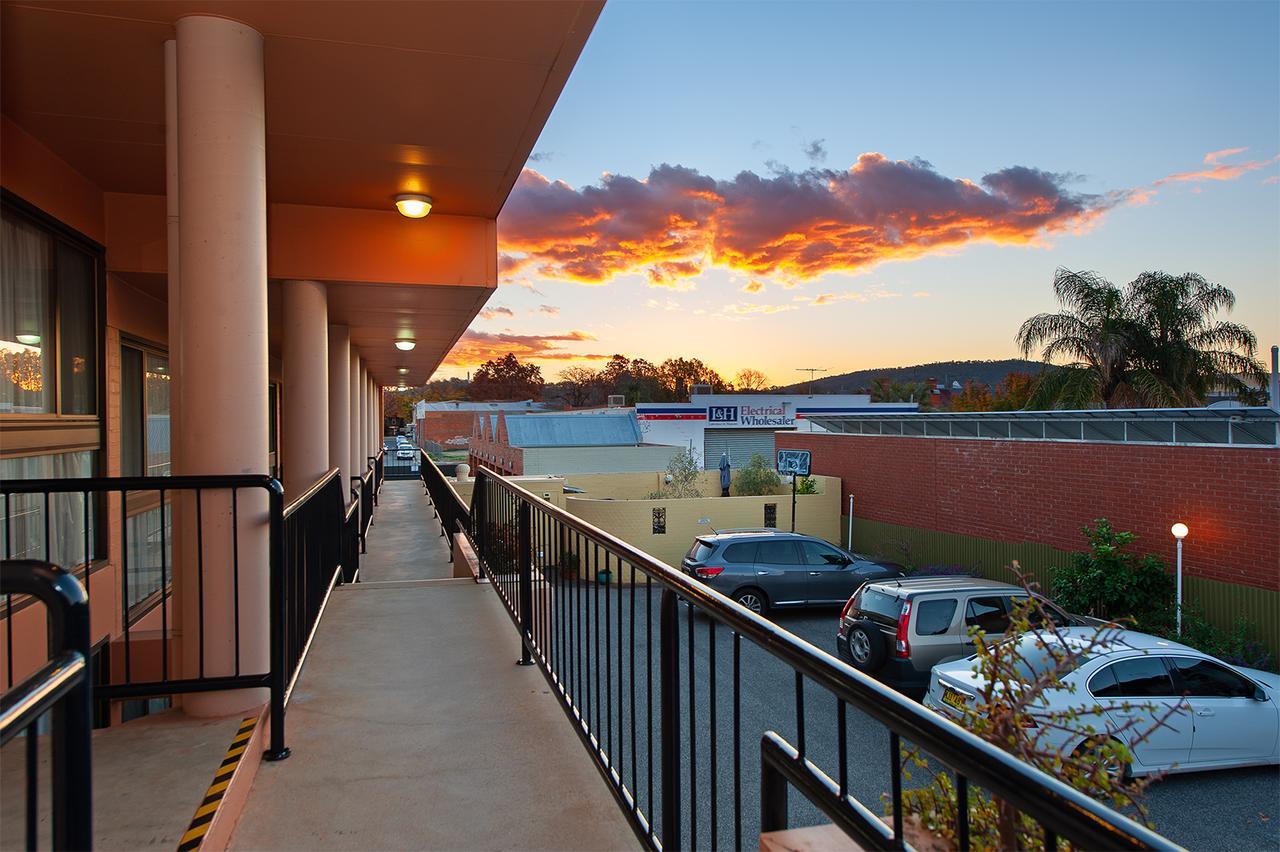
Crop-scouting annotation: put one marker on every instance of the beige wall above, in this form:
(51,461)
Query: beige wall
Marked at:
(566,460)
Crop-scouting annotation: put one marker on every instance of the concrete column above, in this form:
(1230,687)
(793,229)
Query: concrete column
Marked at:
(305,415)
(340,401)
(222,418)
(364,418)
(353,414)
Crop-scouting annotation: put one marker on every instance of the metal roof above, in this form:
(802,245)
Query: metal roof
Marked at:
(569,430)
(1225,426)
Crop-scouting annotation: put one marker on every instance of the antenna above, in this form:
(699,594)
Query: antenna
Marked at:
(812,371)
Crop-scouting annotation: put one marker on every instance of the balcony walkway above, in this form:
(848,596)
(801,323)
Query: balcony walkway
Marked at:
(412,727)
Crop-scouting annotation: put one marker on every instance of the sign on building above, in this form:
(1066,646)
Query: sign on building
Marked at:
(794,462)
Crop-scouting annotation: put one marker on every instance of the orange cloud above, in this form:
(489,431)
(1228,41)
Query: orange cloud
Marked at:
(1218,170)
(675,223)
(495,312)
(476,347)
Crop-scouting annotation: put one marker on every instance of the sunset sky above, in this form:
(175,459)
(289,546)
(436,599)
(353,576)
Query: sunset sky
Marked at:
(853,185)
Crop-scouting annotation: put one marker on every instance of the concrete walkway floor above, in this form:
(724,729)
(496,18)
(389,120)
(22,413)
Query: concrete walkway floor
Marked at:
(404,541)
(412,727)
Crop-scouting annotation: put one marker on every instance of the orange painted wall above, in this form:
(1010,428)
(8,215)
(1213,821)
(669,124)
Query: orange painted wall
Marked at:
(32,171)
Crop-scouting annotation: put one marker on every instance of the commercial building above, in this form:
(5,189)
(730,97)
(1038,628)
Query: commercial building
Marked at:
(449,423)
(740,425)
(529,444)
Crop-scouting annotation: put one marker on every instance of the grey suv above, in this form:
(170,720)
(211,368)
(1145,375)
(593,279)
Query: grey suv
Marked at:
(898,630)
(765,568)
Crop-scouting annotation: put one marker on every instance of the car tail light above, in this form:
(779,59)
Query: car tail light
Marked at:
(708,572)
(901,647)
(844,613)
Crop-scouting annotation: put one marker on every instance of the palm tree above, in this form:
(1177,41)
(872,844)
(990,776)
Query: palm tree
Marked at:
(1156,343)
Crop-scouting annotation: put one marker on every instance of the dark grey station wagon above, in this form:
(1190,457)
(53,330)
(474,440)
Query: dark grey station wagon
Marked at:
(765,568)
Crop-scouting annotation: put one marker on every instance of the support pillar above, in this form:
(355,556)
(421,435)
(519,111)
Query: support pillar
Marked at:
(340,401)
(364,418)
(305,415)
(353,414)
(222,417)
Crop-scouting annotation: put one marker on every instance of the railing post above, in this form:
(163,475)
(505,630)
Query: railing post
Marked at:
(279,667)
(72,724)
(524,546)
(480,513)
(773,796)
(669,672)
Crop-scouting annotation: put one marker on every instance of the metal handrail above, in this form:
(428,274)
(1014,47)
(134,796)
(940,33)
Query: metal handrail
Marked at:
(454,513)
(1056,805)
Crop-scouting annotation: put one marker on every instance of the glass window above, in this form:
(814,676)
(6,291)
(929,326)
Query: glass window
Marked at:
(986,614)
(144,412)
(149,552)
(1206,679)
(871,602)
(77,330)
(743,553)
(771,515)
(700,551)
(777,553)
(817,553)
(1139,677)
(934,617)
(1037,656)
(659,521)
(26,318)
(23,535)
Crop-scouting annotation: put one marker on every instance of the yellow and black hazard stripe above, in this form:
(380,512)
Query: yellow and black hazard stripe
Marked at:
(213,796)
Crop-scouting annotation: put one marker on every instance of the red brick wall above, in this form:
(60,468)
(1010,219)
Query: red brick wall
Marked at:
(440,426)
(1046,491)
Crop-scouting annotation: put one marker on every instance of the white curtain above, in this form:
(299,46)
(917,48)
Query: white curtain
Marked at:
(26,337)
(22,533)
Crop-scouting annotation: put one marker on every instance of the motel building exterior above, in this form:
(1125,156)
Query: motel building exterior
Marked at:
(226,226)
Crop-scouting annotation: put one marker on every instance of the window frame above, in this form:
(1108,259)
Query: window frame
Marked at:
(47,433)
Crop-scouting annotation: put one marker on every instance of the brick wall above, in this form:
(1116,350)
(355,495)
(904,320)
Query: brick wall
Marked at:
(440,426)
(1046,491)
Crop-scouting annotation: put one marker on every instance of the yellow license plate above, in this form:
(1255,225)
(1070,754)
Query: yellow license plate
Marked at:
(956,699)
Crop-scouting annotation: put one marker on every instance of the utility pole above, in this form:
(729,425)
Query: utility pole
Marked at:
(812,371)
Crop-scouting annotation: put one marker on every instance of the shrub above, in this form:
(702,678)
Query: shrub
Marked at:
(1235,646)
(682,474)
(806,485)
(1112,583)
(758,478)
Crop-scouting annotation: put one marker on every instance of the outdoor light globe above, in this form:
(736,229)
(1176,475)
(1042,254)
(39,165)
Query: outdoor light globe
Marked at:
(413,206)
(29,339)
(405,345)
(1179,531)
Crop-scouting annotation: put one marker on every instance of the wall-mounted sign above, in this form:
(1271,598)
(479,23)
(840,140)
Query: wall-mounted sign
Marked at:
(794,462)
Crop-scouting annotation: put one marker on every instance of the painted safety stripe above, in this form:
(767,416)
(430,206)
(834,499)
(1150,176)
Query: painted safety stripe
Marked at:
(208,807)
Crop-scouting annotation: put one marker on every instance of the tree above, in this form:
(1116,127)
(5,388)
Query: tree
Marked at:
(1014,392)
(580,386)
(974,397)
(750,380)
(682,475)
(679,375)
(884,390)
(505,379)
(756,479)
(1156,343)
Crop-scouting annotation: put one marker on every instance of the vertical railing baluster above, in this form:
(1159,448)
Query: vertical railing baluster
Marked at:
(669,650)
(895,774)
(800,714)
(608,668)
(693,736)
(200,573)
(33,784)
(124,583)
(648,692)
(635,767)
(711,710)
(737,740)
(842,746)
(962,811)
(524,553)
(235,571)
(164,593)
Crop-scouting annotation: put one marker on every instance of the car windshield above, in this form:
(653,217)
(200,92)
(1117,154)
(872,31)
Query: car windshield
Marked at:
(700,551)
(878,603)
(1039,655)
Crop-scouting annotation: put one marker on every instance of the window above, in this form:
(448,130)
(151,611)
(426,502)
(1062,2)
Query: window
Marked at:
(878,604)
(68,520)
(1205,679)
(144,412)
(771,515)
(659,521)
(817,553)
(934,617)
(700,551)
(777,553)
(1139,677)
(48,319)
(743,553)
(986,614)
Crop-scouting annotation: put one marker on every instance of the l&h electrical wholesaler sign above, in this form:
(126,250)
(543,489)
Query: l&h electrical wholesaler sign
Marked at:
(723,416)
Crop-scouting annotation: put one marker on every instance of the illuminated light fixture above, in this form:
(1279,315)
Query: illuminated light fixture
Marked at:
(29,339)
(1179,531)
(402,370)
(401,387)
(413,206)
(405,345)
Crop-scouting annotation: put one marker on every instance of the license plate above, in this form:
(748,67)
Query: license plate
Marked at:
(955,698)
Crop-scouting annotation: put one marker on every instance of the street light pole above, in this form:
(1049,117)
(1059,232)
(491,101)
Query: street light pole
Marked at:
(1179,531)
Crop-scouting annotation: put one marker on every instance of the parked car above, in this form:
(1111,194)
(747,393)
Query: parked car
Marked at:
(405,451)
(899,629)
(1221,716)
(766,568)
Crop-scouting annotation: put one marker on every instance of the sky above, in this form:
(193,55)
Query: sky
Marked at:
(854,185)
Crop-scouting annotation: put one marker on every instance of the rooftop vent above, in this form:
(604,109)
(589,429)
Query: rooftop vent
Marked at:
(617,400)
(699,390)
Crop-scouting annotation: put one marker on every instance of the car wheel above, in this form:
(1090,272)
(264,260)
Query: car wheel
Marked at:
(753,599)
(866,646)
(1117,769)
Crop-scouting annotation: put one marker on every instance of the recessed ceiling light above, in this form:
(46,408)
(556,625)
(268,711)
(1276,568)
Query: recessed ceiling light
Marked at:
(405,345)
(29,339)
(413,206)
(403,370)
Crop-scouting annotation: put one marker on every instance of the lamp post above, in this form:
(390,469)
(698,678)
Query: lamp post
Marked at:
(1179,531)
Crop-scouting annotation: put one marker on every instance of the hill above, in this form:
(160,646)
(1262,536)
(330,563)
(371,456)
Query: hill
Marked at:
(984,372)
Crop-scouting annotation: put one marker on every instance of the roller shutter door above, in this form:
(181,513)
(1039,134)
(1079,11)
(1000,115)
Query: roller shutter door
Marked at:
(739,444)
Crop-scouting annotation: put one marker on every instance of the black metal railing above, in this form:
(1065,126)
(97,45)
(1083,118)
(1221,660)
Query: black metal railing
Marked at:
(450,510)
(401,462)
(61,687)
(351,540)
(672,688)
(200,523)
(363,490)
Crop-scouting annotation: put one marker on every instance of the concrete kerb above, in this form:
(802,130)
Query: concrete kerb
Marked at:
(465,562)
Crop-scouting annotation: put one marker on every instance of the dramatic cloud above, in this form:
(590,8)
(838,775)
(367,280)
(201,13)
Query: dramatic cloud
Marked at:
(816,151)
(548,310)
(791,226)
(1217,170)
(871,294)
(497,311)
(753,286)
(748,308)
(476,347)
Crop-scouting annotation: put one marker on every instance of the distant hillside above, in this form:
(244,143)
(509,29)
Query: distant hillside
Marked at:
(984,372)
